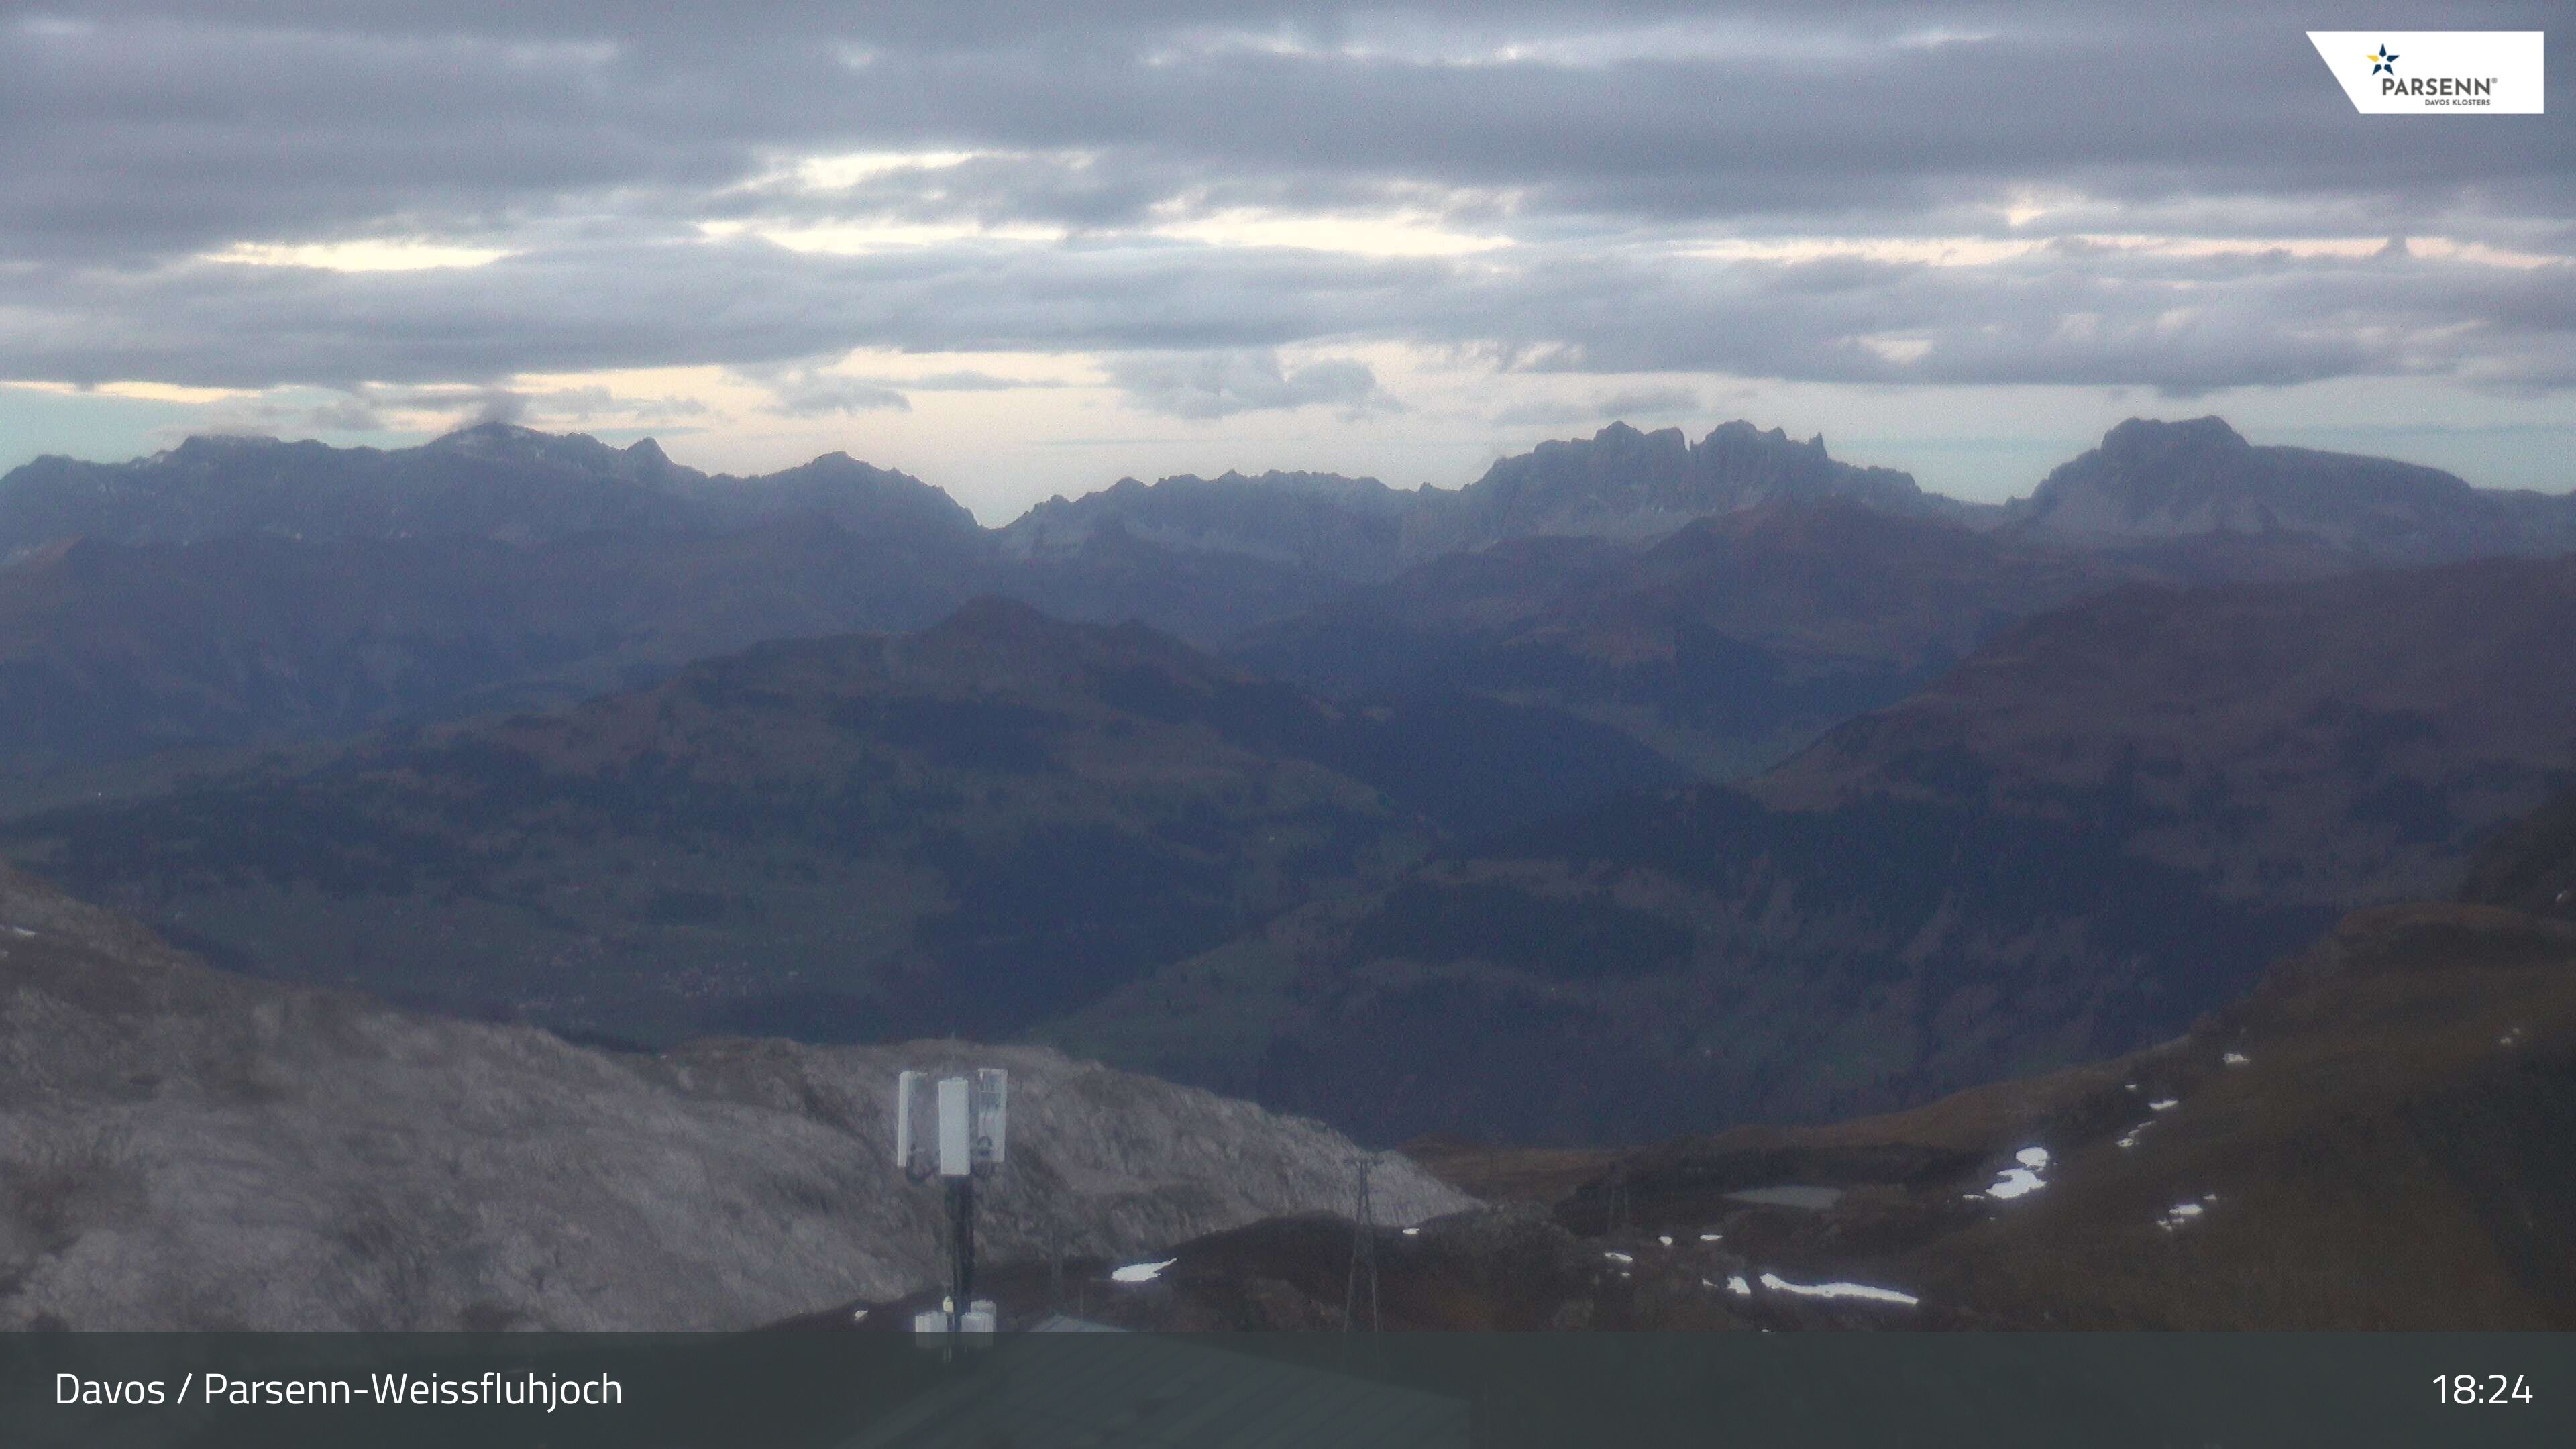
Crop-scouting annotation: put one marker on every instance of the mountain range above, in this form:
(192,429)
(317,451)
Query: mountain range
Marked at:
(2014,786)
(2016,915)
(2099,825)
(1722,601)
(977,827)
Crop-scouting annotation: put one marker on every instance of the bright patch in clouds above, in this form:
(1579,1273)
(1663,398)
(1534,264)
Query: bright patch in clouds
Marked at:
(861,238)
(1383,234)
(841,172)
(356,256)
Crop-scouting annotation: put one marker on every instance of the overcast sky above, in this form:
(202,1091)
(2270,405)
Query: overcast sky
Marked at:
(1021,249)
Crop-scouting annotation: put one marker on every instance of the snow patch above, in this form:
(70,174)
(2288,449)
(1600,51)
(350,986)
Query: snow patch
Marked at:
(1712,1237)
(2016,1182)
(2019,1181)
(1140,1272)
(2236,1059)
(1619,1257)
(2179,1215)
(1736,1285)
(1779,1284)
(22,933)
(2164,1104)
(1666,1240)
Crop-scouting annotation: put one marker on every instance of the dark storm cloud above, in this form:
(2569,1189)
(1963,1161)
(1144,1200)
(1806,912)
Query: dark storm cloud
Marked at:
(593,140)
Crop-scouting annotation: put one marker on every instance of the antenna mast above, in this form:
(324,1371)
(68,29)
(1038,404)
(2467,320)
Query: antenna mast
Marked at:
(968,1122)
(1363,1251)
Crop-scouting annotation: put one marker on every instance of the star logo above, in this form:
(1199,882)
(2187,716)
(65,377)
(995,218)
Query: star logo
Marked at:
(2382,61)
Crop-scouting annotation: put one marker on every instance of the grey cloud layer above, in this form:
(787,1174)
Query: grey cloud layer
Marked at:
(594,138)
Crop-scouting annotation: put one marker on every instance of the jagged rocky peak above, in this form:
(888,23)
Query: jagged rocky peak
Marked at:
(1625,483)
(1326,523)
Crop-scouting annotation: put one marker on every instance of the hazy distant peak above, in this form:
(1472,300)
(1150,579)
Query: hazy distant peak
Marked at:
(202,443)
(2144,438)
(1326,523)
(2153,480)
(1625,483)
(493,436)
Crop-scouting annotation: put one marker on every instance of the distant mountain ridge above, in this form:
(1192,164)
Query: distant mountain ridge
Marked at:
(2158,480)
(1626,484)
(1345,528)
(1620,484)
(495,481)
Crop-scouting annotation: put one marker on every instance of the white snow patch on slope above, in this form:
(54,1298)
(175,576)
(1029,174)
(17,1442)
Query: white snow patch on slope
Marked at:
(1141,1272)
(1779,1284)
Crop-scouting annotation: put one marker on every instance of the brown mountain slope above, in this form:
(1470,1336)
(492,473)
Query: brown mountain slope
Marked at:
(110,651)
(970,828)
(2382,1136)
(2329,742)
(2102,825)
(1726,645)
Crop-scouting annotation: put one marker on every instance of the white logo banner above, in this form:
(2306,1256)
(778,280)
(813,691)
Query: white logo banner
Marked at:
(2435,72)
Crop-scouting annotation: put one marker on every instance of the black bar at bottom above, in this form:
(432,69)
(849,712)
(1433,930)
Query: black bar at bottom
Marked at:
(1286,1391)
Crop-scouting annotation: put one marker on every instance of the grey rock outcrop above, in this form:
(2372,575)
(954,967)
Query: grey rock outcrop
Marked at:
(180,1148)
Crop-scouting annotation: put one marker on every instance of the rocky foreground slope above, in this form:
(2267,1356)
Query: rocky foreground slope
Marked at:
(180,1148)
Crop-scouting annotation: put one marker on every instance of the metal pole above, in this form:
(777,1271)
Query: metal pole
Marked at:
(961,1240)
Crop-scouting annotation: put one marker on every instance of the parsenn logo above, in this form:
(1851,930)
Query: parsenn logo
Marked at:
(2447,72)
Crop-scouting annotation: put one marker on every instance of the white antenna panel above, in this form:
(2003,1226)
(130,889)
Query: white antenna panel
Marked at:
(956,1128)
(907,1100)
(992,1114)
